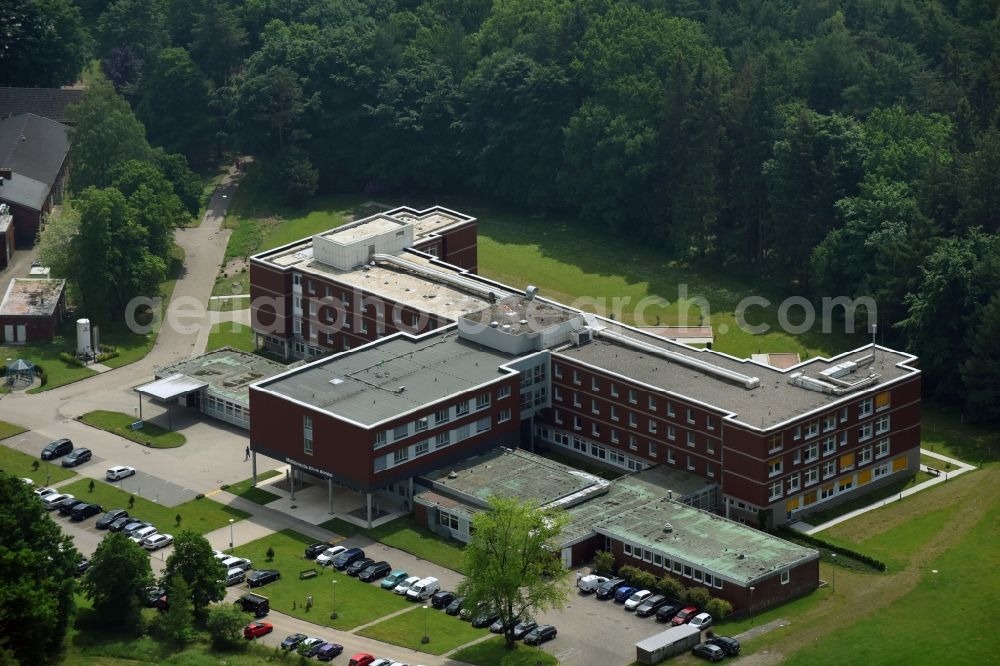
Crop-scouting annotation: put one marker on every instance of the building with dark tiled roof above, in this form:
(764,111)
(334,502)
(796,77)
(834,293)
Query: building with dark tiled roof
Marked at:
(48,103)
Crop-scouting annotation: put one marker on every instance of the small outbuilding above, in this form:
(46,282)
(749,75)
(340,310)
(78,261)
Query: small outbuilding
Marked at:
(31,310)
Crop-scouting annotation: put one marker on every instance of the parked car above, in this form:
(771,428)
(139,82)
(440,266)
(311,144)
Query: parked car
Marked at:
(684,616)
(667,612)
(651,605)
(263,577)
(257,604)
(359,565)
(308,647)
(624,592)
(157,541)
(142,534)
(455,607)
(497,627)
(637,598)
(328,651)
(133,526)
(67,505)
(51,502)
(315,550)
(235,576)
(42,493)
(257,629)
(380,661)
(120,524)
(729,645)
(588,584)
(82,566)
(442,599)
(104,522)
(327,557)
(539,635)
(373,571)
(84,511)
(405,585)
(76,457)
(523,628)
(361,659)
(423,589)
(395,578)
(291,642)
(151,594)
(708,651)
(231,562)
(346,558)
(57,449)
(608,588)
(701,620)
(118,472)
(485,618)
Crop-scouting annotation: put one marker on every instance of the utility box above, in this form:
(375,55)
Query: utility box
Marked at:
(669,643)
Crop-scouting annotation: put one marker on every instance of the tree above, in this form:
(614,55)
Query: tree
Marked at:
(37,563)
(186,183)
(266,107)
(217,39)
(57,243)
(177,623)
(192,560)
(105,133)
(718,608)
(604,562)
(174,105)
(696,596)
(981,371)
(225,624)
(44,43)
(119,572)
(671,587)
(151,201)
(512,563)
(297,177)
(138,23)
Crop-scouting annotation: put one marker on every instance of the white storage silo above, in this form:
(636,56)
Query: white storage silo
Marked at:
(83,346)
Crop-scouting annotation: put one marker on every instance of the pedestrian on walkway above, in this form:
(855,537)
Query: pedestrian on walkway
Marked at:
(578,577)
(247,455)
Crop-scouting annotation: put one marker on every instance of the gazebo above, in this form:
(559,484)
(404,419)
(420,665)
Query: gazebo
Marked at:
(20,371)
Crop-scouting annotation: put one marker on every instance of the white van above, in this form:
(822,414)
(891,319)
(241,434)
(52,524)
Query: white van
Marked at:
(236,563)
(144,533)
(423,589)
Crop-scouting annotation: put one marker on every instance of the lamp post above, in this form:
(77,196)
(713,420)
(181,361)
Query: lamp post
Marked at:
(752,588)
(426,639)
(833,588)
(333,615)
(935,572)
(231,520)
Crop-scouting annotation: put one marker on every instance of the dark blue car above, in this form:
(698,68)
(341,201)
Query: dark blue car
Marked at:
(624,592)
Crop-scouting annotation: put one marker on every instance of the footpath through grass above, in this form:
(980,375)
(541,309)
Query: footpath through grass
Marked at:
(495,652)
(405,534)
(198,515)
(150,435)
(247,490)
(446,632)
(357,603)
(877,495)
(22,465)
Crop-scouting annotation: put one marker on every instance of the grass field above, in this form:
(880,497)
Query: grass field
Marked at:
(230,334)
(446,632)
(942,432)
(357,603)
(884,492)
(198,515)
(494,652)
(21,465)
(247,490)
(404,533)
(119,423)
(10,429)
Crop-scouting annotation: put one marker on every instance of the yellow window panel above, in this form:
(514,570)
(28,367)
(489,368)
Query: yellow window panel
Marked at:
(774,462)
(882,400)
(864,477)
(792,504)
(899,464)
(809,498)
(828,486)
(846,461)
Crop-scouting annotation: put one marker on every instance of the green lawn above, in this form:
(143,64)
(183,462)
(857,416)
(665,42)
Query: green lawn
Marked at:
(10,429)
(942,431)
(46,357)
(199,515)
(357,603)
(404,533)
(247,490)
(877,495)
(150,435)
(22,465)
(495,652)
(446,632)
(230,334)
(896,546)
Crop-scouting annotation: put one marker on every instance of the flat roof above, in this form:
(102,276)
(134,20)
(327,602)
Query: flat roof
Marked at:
(227,372)
(32,297)
(366,228)
(517,315)
(517,473)
(171,386)
(704,540)
(772,402)
(430,221)
(391,376)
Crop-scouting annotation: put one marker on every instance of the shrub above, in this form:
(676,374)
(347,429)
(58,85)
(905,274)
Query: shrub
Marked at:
(696,596)
(644,580)
(671,587)
(628,572)
(131,501)
(71,359)
(270,554)
(718,608)
(604,562)
(800,537)
(90,486)
(225,624)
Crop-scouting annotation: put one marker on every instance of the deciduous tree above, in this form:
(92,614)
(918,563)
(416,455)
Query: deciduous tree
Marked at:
(115,582)
(42,44)
(193,561)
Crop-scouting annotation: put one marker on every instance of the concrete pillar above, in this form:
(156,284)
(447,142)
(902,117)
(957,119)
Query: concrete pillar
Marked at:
(368,502)
(291,482)
(409,493)
(253,467)
(329,488)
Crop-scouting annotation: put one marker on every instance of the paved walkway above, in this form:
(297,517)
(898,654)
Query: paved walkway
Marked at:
(958,466)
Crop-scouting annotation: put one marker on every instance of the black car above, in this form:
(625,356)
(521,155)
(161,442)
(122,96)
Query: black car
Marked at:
(82,566)
(263,577)
(523,628)
(313,551)
(666,613)
(105,521)
(75,457)
(152,594)
(539,635)
(292,642)
(84,511)
(651,605)
(455,607)
(374,571)
(708,651)
(119,523)
(56,449)
(347,558)
(485,619)
(359,565)
(609,587)
(729,645)
(442,599)
(66,506)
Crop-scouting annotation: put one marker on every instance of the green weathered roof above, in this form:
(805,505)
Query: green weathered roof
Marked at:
(228,372)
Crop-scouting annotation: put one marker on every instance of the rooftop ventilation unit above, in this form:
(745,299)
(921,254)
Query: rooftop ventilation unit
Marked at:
(531,292)
(452,475)
(668,528)
(581,336)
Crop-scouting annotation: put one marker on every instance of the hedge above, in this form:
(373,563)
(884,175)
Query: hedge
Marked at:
(793,535)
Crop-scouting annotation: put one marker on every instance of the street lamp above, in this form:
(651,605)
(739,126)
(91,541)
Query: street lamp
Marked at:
(231,520)
(935,572)
(752,588)
(333,615)
(426,639)
(833,556)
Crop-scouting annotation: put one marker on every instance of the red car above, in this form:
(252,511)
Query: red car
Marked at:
(257,629)
(684,616)
(361,659)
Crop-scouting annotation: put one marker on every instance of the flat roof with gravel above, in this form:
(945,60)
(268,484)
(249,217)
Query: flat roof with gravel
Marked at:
(32,297)
(227,371)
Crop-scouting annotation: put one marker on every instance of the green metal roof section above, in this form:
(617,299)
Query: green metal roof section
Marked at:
(228,372)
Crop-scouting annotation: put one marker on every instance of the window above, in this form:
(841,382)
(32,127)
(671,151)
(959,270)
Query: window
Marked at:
(594,384)
(296,279)
(774,467)
(677,566)
(812,429)
(380,438)
(865,455)
(503,392)
(594,408)
(312,308)
(826,492)
(775,444)
(710,422)
(670,457)
(690,463)
(881,470)
(882,448)
(503,416)
(577,423)
(797,433)
(442,439)
(307,435)
(812,476)
(864,408)
(399,432)
(652,449)
(785,577)
(647,555)
(829,469)
(829,446)
(710,446)
(576,400)
(652,403)
(882,424)
(364,326)
(557,370)
(614,412)
(462,408)
(297,302)
(614,391)
(793,482)
(671,432)
(697,575)
(420,424)
(595,430)
(633,421)
(483,401)
(633,443)
(812,452)
(557,394)
(717,582)
(627,549)
(709,470)
(690,438)
(658,559)
(690,416)
(297,327)
(576,376)
(483,424)
(421,448)
(842,437)
(557,416)
(687,571)
(614,436)
(774,491)
(865,432)
(843,414)
(670,409)
(441,416)
(400,455)
(652,426)
(829,422)
(633,396)
(881,401)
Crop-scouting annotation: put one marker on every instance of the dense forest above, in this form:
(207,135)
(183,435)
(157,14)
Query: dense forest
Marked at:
(835,147)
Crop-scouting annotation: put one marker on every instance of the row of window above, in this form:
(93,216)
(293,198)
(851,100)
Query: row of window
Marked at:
(603,453)
(224,409)
(829,422)
(794,482)
(440,417)
(676,567)
(615,435)
(439,441)
(614,413)
(811,452)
